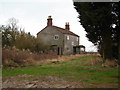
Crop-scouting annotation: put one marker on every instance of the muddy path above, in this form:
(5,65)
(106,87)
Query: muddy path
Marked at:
(30,81)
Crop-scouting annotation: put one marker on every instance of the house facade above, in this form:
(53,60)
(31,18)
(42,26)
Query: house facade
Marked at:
(61,40)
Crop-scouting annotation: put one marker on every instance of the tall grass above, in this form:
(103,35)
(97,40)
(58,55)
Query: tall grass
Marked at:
(15,57)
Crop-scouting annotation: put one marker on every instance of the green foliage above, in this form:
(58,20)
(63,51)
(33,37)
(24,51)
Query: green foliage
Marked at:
(9,32)
(30,42)
(98,20)
(6,36)
(73,70)
(14,36)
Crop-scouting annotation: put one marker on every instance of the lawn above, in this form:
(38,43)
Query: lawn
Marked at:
(72,70)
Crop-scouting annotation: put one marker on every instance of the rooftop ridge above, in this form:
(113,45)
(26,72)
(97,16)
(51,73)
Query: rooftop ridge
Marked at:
(62,30)
(66,31)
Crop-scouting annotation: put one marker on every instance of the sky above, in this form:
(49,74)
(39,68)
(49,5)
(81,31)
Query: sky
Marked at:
(33,14)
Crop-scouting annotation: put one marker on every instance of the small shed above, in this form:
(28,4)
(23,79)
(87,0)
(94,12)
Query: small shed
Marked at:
(80,49)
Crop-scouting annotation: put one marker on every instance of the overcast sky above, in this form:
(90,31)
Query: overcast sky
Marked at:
(33,14)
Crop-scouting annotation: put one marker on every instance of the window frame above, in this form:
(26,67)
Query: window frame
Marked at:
(77,39)
(68,37)
(72,43)
(56,36)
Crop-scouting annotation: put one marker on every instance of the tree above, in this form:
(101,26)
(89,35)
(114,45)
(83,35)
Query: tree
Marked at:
(12,24)
(98,20)
(12,35)
(6,36)
(9,32)
(116,30)
(28,41)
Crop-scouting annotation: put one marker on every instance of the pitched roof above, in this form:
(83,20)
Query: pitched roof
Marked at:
(62,30)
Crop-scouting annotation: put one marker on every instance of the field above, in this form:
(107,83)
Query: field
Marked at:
(78,72)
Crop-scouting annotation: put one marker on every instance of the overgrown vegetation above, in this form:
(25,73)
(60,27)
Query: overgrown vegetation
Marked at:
(12,57)
(13,36)
(20,48)
(77,69)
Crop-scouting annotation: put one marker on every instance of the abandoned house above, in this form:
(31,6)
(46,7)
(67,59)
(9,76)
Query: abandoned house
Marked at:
(61,40)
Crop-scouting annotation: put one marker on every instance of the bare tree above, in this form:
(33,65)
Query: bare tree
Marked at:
(12,23)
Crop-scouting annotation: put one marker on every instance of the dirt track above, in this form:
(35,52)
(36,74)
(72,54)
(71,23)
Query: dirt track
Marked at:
(29,81)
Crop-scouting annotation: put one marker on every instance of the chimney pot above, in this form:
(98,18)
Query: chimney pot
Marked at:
(67,26)
(49,21)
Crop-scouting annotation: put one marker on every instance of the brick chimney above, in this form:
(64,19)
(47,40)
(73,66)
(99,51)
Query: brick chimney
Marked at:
(49,21)
(67,26)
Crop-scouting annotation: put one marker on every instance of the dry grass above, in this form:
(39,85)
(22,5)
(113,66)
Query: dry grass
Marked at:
(14,57)
(62,58)
(94,60)
(110,63)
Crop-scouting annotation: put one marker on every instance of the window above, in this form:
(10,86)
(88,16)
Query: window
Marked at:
(68,37)
(67,49)
(81,49)
(77,39)
(72,43)
(56,37)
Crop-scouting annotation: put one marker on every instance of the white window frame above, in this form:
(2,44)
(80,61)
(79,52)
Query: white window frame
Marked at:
(68,37)
(77,39)
(72,43)
(56,36)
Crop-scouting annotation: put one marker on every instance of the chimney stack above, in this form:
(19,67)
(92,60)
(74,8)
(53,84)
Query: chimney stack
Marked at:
(67,26)
(49,21)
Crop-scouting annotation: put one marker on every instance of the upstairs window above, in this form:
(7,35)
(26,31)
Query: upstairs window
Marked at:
(72,43)
(56,37)
(68,37)
(77,39)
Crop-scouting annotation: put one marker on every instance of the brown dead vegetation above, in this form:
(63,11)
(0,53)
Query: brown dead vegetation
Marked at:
(13,57)
(110,63)
(62,58)
(93,61)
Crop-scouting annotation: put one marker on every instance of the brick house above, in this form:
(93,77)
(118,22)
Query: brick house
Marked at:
(61,40)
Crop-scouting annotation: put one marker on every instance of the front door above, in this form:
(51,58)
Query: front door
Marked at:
(74,50)
(54,48)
